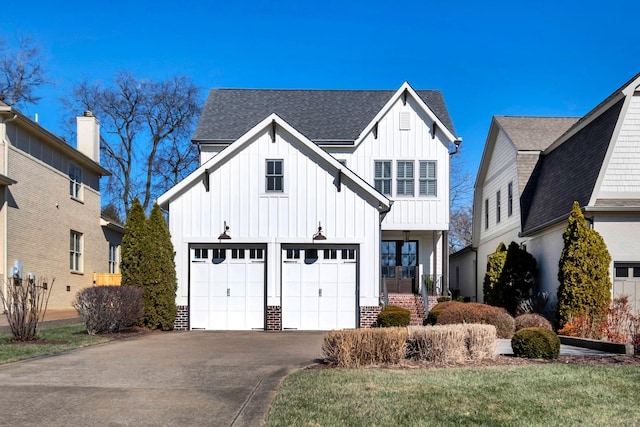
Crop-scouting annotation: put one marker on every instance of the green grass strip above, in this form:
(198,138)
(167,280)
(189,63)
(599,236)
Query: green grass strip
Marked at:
(54,340)
(540,395)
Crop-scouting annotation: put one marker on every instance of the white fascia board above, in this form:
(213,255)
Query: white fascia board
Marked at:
(231,150)
(425,108)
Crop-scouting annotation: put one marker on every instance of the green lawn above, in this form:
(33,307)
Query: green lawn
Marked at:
(58,339)
(533,395)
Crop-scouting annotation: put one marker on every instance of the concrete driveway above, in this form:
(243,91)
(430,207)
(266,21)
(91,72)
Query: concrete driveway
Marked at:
(202,378)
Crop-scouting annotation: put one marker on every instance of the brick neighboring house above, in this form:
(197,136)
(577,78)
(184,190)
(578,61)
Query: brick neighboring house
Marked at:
(50,220)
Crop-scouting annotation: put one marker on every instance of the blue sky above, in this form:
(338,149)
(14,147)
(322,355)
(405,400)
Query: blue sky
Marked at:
(558,58)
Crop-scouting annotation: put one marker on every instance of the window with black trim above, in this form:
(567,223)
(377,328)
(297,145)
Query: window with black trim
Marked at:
(510,199)
(330,254)
(498,213)
(293,253)
(256,254)
(201,253)
(486,214)
(349,254)
(237,253)
(275,176)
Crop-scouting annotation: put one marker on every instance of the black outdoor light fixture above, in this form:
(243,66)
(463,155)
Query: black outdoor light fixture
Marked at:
(319,235)
(224,235)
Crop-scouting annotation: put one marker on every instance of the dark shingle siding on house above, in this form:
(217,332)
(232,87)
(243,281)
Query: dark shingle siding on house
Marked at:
(569,172)
(321,115)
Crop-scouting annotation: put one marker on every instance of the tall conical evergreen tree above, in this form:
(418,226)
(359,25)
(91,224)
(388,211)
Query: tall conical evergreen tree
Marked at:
(160,285)
(492,276)
(133,247)
(583,271)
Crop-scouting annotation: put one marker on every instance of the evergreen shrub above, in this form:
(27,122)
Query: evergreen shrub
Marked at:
(478,313)
(536,343)
(583,271)
(532,320)
(392,315)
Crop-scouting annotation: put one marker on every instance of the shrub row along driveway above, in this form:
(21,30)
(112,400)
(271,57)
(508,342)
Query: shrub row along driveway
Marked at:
(177,378)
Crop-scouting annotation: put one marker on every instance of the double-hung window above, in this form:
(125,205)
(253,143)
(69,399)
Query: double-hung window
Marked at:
(75,251)
(404,186)
(498,204)
(113,258)
(75,181)
(382,176)
(275,176)
(428,179)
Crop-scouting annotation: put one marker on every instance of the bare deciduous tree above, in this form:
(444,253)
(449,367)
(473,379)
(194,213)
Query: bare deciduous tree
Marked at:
(461,211)
(21,71)
(145,130)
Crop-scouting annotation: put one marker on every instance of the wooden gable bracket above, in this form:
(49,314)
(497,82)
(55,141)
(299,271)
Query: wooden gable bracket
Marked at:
(205,180)
(404,97)
(434,129)
(274,125)
(375,131)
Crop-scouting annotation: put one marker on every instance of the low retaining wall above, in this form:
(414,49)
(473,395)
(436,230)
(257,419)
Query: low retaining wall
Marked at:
(609,347)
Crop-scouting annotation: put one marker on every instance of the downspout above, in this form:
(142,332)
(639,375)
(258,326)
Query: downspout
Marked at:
(5,215)
(434,251)
(445,263)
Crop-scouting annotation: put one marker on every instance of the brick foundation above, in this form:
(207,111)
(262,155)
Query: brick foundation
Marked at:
(182,318)
(369,316)
(274,318)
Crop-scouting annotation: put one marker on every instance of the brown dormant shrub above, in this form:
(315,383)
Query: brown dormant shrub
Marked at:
(481,342)
(479,313)
(432,318)
(452,344)
(532,320)
(25,305)
(441,344)
(109,308)
(363,347)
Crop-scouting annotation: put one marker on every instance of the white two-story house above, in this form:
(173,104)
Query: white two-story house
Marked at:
(308,204)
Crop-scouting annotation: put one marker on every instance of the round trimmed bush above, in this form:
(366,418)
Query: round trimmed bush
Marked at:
(536,343)
(532,320)
(478,313)
(432,317)
(392,315)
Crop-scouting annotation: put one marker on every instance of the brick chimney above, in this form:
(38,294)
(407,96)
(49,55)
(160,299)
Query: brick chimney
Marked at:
(89,136)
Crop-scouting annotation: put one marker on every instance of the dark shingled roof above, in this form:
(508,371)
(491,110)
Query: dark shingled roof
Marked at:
(534,133)
(569,172)
(320,115)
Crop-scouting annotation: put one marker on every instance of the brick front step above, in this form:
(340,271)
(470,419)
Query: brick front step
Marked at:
(414,304)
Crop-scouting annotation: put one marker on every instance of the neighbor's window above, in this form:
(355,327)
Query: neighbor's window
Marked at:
(428,180)
(510,199)
(382,176)
(486,214)
(75,251)
(498,213)
(113,258)
(75,180)
(404,185)
(275,175)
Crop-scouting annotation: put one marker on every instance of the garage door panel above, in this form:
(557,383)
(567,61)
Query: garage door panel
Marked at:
(227,293)
(319,295)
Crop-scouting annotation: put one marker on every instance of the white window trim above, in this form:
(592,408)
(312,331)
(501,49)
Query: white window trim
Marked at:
(404,179)
(427,179)
(75,182)
(75,251)
(382,179)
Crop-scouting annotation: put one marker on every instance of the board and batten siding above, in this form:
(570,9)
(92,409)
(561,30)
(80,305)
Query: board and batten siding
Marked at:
(237,194)
(502,170)
(623,170)
(415,144)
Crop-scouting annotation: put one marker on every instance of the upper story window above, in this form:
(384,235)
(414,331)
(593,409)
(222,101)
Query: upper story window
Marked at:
(75,251)
(75,181)
(486,214)
(498,218)
(275,176)
(382,176)
(404,186)
(510,199)
(428,180)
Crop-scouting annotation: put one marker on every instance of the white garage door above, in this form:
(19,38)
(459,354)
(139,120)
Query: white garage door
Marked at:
(319,288)
(227,288)
(626,281)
